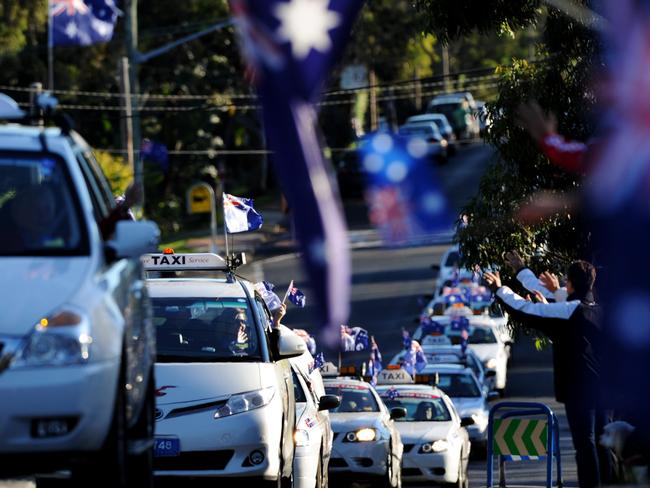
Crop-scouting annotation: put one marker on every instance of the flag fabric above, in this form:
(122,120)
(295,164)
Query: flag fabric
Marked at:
(431,327)
(240,215)
(309,340)
(82,22)
(392,393)
(319,360)
(414,359)
(156,153)
(295,296)
(354,339)
(291,46)
(406,338)
(464,339)
(375,363)
(265,289)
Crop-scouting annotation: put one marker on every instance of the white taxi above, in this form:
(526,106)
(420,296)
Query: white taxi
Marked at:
(367,445)
(76,338)
(436,446)
(225,399)
(313,434)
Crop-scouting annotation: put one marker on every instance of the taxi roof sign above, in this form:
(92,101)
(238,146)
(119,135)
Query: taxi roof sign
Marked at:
(184,262)
(328,370)
(394,377)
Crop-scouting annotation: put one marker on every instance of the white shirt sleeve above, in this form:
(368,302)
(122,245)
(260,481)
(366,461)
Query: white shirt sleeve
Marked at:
(531,282)
(558,310)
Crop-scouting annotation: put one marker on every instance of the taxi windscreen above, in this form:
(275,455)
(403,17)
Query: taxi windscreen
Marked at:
(419,408)
(353,399)
(205,330)
(458,385)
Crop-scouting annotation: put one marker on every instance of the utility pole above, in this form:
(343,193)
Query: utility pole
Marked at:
(127,106)
(131,40)
(374,115)
(445,67)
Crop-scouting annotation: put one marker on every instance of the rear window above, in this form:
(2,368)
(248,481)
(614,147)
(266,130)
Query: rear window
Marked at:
(205,330)
(353,399)
(40,213)
(458,385)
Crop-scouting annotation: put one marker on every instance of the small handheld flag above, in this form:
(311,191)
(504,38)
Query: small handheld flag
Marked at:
(354,339)
(240,215)
(265,289)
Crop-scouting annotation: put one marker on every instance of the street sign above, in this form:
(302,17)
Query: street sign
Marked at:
(199,199)
(520,439)
(354,76)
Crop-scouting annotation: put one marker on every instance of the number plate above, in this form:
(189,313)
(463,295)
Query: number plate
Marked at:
(166,447)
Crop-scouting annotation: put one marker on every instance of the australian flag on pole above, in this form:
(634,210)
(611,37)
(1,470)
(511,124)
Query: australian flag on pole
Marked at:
(82,22)
(240,215)
(265,289)
(291,47)
(295,296)
(354,339)
(431,327)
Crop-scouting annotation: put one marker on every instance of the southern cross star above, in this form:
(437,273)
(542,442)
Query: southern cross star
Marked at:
(306,25)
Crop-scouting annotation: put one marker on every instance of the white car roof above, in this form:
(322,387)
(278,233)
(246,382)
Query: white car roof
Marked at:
(195,288)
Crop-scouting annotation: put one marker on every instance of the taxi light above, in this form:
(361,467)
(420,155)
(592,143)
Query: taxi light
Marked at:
(393,366)
(348,371)
(168,250)
(301,438)
(433,447)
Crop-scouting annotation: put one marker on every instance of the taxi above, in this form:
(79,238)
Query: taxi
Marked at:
(436,444)
(367,445)
(313,434)
(471,402)
(225,404)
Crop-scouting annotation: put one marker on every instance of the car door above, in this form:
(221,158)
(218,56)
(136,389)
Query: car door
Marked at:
(124,283)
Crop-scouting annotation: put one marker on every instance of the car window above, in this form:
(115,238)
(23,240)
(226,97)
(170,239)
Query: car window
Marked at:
(298,390)
(458,385)
(482,335)
(420,407)
(99,204)
(102,182)
(39,209)
(353,399)
(453,259)
(205,330)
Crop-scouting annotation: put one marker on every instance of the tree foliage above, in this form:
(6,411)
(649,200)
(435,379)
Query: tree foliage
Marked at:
(559,80)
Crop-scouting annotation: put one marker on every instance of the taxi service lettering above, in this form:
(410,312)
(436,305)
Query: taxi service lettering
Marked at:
(427,396)
(347,387)
(159,260)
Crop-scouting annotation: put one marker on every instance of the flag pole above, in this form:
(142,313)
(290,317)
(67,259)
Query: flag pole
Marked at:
(225,227)
(50,49)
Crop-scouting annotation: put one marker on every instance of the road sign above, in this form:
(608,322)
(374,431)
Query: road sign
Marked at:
(520,438)
(199,199)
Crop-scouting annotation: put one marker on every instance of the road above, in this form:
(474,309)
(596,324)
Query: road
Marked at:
(387,287)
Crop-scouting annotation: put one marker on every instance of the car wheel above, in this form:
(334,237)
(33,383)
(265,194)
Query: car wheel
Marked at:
(393,476)
(140,465)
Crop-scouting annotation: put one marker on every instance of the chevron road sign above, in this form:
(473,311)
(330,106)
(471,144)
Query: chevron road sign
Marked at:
(520,439)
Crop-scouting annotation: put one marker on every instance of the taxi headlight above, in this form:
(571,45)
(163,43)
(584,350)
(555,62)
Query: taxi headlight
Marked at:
(491,363)
(301,438)
(60,339)
(361,435)
(244,402)
(435,446)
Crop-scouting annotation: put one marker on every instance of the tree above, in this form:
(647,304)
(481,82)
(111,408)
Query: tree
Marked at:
(566,59)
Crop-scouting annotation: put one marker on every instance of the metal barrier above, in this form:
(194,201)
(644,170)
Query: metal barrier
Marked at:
(514,437)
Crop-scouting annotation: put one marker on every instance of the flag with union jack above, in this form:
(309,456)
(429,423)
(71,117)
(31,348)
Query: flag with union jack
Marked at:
(240,215)
(82,22)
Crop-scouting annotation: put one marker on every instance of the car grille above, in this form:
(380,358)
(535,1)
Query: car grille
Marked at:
(202,407)
(411,472)
(408,447)
(338,463)
(194,461)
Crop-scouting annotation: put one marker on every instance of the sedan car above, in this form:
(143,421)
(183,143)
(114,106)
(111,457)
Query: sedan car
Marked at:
(436,144)
(367,445)
(225,396)
(443,125)
(436,444)
(313,433)
(460,384)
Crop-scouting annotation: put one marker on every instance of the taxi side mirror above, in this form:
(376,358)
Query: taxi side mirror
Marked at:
(290,345)
(466,421)
(328,402)
(493,395)
(397,413)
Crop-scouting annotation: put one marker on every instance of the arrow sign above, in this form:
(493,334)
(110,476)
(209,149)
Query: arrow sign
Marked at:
(520,438)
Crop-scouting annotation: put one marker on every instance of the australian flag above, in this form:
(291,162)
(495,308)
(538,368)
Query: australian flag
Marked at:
(319,360)
(431,327)
(291,46)
(82,22)
(404,201)
(295,296)
(354,339)
(240,215)
(265,289)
